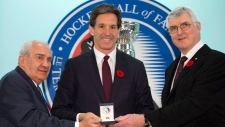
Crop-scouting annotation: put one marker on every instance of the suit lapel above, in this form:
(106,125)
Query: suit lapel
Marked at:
(92,68)
(182,74)
(31,83)
(169,78)
(198,55)
(120,65)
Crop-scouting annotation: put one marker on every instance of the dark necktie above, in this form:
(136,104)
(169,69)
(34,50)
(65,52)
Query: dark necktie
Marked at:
(106,79)
(39,89)
(180,67)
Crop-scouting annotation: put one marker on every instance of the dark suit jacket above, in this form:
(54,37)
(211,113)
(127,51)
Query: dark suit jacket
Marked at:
(198,96)
(22,105)
(80,89)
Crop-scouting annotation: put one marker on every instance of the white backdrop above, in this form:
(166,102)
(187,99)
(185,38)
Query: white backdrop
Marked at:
(24,20)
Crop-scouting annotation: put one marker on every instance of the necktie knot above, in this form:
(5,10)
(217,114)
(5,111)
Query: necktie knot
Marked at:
(180,67)
(183,59)
(106,58)
(39,89)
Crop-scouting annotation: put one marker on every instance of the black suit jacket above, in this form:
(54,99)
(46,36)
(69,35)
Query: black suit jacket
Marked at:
(198,96)
(22,105)
(80,89)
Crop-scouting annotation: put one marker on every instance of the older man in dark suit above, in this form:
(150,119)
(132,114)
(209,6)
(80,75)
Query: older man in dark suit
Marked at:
(21,100)
(194,91)
(82,84)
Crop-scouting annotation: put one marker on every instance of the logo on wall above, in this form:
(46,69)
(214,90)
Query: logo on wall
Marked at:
(153,45)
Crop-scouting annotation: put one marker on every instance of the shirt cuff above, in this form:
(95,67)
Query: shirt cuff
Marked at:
(76,124)
(77,118)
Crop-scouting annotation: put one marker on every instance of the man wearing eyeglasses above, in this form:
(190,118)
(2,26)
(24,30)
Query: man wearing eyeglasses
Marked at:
(194,91)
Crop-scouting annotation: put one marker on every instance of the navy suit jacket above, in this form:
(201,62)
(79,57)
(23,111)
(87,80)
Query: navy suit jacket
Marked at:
(22,105)
(198,96)
(80,89)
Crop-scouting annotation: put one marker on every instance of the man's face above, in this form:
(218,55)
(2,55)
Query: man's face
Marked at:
(38,63)
(185,40)
(105,32)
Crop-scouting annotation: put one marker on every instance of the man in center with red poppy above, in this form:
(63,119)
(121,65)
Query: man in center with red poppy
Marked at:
(81,89)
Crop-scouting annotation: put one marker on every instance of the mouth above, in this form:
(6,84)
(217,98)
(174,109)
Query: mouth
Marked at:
(106,38)
(43,71)
(182,38)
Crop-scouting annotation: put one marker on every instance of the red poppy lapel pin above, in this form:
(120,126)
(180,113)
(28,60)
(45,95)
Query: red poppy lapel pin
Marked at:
(120,73)
(189,63)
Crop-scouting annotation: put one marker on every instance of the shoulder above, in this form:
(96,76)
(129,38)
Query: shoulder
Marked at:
(209,54)
(212,61)
(215,56)
(127,57)
(82,56)
(9,77)
(15,82)
(217,53)
(80,59)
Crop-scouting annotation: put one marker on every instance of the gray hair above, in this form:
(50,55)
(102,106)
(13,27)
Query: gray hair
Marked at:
(26,48)
(177,12)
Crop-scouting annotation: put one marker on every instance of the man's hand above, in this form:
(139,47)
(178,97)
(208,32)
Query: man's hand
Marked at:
(89,120)
(130,120)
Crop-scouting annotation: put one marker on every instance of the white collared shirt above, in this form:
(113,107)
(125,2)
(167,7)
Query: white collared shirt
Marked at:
(193,51)
(100,58)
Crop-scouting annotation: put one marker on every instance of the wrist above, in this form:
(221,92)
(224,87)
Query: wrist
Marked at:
(147,123)
(81,116)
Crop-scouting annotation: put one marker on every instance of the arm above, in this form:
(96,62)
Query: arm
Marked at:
(63,101)
(19,105)
(143,98)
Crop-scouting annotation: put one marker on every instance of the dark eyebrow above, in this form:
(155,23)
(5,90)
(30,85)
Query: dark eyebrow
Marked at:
(114,25)
(100,24)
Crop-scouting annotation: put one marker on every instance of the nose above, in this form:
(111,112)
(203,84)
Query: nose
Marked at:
(107,31)
(179,30)
(46,63)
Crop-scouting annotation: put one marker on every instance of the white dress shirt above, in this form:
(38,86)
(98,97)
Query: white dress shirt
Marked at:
(112,61)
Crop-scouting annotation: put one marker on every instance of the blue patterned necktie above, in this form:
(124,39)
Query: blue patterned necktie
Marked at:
(39,89)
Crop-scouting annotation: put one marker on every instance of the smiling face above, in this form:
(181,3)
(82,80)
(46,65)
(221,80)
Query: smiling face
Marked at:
(185,40)
(37,62)
(105,32)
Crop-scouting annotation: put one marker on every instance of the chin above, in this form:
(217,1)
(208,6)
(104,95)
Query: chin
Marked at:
(43,77)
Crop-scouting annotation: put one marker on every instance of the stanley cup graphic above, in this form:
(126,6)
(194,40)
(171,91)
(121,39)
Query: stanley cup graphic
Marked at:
(128,33)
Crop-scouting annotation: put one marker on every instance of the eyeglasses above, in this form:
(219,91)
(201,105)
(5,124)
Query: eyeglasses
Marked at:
(183,26)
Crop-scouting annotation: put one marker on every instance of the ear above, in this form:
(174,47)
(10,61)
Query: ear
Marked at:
(21,60)
(91,29)
(198,26)
(118,32)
